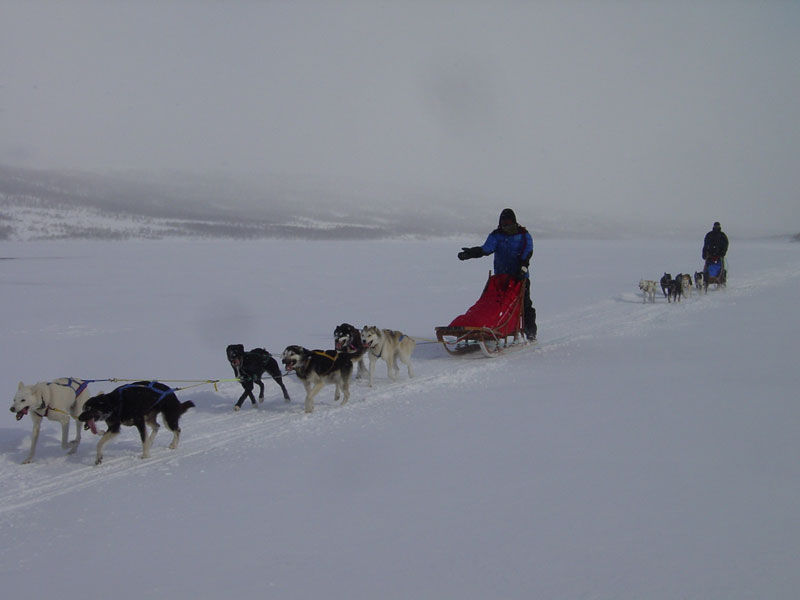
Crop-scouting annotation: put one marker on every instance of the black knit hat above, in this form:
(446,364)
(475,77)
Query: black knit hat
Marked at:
(507,214)
(717,226)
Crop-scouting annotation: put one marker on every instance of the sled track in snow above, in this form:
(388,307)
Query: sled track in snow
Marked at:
(206,431)
(37,482)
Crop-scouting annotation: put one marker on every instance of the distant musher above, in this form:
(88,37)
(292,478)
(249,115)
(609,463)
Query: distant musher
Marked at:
(715,247)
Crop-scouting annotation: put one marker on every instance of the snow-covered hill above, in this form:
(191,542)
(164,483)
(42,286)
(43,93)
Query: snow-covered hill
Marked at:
(641,451)
(48,205)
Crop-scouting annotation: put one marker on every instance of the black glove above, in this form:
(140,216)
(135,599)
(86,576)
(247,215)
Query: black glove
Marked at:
(475,252)
(523,268)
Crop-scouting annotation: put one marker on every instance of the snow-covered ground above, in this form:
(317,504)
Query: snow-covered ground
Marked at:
(641,451)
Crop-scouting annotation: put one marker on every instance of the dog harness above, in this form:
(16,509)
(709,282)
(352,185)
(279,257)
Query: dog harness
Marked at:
(326,355)
(82,385)
(380,354)
(152,386)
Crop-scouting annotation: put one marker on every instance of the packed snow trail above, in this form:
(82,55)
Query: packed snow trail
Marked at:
(214,426)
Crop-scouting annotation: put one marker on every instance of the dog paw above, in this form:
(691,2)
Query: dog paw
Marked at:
(27,461)
(236,409)
(98,461)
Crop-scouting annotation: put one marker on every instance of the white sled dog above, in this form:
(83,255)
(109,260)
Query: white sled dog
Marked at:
(388,345)
(649,288)
(58,400)
(686,283)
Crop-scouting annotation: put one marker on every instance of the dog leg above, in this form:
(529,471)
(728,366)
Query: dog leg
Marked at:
(260,385)
(240,401)
(310,396)
(286,397)
(140,426)
(64,421)
(37,423)
(373,360)
(390,363)
(406,359)
(248,393)
(395,366)
(74,444)
(275,372)
(361,368)
(176,436)
(107,437)
(346,389)
(148,442)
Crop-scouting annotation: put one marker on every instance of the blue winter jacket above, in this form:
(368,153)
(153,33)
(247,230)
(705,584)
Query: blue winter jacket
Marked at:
(509,250)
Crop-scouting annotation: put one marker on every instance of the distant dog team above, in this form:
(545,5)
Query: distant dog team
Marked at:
(674,289)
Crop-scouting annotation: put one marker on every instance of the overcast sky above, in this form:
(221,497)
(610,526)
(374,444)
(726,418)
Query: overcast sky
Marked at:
(674,111)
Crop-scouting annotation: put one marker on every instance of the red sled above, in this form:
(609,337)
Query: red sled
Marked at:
(493,324)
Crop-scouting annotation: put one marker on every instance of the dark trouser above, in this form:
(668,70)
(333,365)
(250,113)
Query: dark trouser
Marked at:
(530,312)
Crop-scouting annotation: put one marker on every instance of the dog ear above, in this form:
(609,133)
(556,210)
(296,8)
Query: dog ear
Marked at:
(21,385)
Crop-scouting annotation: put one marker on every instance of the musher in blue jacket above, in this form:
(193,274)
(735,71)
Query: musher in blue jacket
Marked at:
(512,247)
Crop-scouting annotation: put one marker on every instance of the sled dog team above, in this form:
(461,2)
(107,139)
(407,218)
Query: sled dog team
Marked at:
(674,288)
(138,404)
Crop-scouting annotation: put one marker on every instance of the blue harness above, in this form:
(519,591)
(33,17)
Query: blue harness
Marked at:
(152,386)
(82,385)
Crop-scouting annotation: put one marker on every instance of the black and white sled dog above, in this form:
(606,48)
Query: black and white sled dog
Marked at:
(648,287)
(249,367)
(675,289)
(59,400)
(315,368)
(699,280)
(390,346)
(348,339)
(135,404)
(665,281)
(686,284)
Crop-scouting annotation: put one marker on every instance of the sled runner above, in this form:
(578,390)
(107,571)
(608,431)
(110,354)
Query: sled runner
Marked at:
(715,272)
(493,324)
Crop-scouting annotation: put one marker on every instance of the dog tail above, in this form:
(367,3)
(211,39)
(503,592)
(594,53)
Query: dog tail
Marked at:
(186,406)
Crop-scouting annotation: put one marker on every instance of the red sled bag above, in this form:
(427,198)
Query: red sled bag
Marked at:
(497,308)
(487,325)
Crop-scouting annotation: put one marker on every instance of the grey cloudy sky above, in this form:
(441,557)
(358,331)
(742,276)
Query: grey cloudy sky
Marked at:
(670,111)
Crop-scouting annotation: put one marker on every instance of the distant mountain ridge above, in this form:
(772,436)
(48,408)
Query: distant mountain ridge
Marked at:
(47,205)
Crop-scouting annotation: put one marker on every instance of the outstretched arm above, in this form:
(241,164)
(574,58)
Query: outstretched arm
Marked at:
(474,252)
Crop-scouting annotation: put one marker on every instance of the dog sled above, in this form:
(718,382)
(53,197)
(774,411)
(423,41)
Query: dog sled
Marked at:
(493,324)
(715,272)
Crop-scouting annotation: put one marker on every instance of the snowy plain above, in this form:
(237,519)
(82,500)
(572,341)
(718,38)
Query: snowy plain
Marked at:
(640,451)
